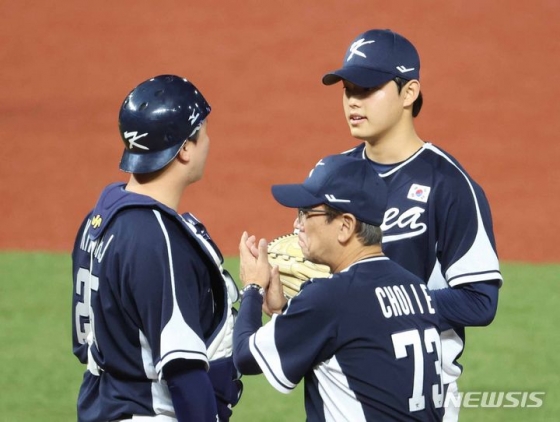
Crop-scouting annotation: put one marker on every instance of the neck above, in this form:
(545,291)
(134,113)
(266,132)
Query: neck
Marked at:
(394,147)
(159,188)
(356,255)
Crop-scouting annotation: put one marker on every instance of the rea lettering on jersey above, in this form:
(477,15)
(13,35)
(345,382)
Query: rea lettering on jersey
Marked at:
(408,223)
(399,300)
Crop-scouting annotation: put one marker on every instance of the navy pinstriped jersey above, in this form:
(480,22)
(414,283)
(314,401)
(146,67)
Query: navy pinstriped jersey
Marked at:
(365,340)
(145,293)
(438,225)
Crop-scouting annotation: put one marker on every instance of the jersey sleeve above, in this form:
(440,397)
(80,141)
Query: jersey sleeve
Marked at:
(293,342)
(465,247)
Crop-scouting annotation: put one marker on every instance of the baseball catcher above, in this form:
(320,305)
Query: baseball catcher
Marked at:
(294,269)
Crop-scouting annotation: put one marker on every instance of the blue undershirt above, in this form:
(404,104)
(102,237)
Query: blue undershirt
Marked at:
(192,393)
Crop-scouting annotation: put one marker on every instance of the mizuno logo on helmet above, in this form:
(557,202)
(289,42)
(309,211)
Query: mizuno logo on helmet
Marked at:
(193,117)
(354,48)
(132,137)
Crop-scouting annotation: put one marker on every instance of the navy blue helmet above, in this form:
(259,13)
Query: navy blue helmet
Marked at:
(155,120)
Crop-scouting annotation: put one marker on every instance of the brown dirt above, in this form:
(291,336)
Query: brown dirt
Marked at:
(488,76)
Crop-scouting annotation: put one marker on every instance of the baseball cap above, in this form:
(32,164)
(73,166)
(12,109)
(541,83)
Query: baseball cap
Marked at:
(345,183)
(376,57)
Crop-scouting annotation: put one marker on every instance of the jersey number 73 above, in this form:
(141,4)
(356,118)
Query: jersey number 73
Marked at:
(432,344)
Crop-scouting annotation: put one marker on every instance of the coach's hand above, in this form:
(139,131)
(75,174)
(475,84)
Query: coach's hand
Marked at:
(274,299)
(253,261)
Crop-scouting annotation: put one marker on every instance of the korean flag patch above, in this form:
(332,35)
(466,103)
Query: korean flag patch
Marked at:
(418,193)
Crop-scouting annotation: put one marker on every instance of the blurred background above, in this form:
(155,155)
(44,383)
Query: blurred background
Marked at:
(488,77)
(490,83)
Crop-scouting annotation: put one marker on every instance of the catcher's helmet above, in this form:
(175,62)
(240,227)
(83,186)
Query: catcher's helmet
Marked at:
(155,120)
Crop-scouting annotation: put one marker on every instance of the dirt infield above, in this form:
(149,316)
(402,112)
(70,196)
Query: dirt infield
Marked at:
(489,80)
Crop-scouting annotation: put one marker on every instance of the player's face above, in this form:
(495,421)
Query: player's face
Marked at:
(316,236)
(372,113)
(200,152)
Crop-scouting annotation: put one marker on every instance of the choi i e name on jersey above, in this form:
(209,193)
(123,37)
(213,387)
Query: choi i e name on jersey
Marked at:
(399,300)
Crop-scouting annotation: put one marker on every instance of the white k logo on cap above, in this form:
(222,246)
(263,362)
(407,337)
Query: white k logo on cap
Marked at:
(354,48)
(320,163)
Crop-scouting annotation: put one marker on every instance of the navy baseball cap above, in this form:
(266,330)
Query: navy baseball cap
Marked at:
(376,57)
(345,183)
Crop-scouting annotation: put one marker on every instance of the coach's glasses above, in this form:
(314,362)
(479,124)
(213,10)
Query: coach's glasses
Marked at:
(304,213)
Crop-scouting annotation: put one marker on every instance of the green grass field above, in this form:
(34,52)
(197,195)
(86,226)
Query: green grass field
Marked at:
(40,376)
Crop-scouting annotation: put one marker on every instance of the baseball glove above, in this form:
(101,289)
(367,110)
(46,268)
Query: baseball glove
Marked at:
(294,269)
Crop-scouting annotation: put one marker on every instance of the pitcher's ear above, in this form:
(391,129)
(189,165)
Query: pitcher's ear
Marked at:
(411,92)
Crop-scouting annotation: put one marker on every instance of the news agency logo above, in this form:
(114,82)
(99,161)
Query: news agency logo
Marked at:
(503,399)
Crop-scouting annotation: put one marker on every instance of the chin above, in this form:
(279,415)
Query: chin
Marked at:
(359,134)
(315,260)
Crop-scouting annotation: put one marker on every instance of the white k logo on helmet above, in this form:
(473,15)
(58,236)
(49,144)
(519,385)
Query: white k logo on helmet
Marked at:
(132,137)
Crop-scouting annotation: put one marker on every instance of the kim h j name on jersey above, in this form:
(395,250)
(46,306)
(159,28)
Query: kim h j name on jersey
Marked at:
(98,247)
(398,300)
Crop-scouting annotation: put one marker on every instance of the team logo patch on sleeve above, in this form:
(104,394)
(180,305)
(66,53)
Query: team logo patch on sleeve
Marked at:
(418,193)
(96,221)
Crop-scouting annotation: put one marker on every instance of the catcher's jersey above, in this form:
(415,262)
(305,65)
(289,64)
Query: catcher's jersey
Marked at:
(367,342)
(438,225)
(146,292)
